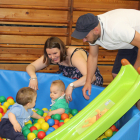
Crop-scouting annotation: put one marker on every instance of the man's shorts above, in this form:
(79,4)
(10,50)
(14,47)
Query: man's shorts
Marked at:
(129,54)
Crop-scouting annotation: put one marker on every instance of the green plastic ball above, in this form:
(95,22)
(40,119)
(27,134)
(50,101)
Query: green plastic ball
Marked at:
(35,132)
(41,130)
(2,99)
(29,125)
(25,127)
(61,121)
(74,112)
(40,112)
(26,132)
(57,117)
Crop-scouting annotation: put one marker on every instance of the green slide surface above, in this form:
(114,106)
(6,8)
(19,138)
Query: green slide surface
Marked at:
(111,104)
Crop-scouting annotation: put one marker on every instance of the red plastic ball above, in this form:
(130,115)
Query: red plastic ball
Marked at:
(32,128)
(60,124)
(64,116)
(56,122)
(10,97)
(1,110)
(113,127)
(41,134)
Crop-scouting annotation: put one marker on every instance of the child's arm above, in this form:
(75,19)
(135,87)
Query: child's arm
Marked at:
(14,122)
(57,111)
(36,116)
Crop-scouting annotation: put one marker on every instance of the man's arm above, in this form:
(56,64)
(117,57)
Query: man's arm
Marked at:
(136,42)
(91,68)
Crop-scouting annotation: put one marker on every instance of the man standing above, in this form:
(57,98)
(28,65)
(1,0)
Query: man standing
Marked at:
(114,30)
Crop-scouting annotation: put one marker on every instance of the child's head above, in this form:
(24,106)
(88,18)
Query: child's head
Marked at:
(26,95)
(57,89)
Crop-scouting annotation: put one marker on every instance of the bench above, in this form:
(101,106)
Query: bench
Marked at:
(26,24)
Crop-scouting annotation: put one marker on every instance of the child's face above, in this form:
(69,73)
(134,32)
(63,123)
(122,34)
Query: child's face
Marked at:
(32,104)
(55,92)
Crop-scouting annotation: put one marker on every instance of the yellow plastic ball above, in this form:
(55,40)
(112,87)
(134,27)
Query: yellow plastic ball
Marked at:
(6,104)
(103,136)
(45,114)
(70,115)
(66,120)
(28,122)
(0,115)
(37,125)
(109,133)
(49,109)
(31,136)
(41,120)
(45,126)
(4,109)
(11,101)
(44,109)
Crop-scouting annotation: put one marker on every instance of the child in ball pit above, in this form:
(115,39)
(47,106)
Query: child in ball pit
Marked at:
(57,94)
(12,122)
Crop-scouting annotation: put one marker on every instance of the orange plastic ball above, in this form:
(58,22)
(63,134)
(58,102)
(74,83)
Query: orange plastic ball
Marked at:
(64,116)
(55,126)
(47,117)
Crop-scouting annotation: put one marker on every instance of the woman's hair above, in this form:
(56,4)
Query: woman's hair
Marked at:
(25,95)
(60,84)
(54,42)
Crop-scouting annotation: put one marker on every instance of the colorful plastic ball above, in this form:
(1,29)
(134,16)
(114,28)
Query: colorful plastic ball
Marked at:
(10,97)
(31,136)
(6,104)
(4,109)
(25,127)
(51,122)
(32,128)
(55,126)
(114,132)
(70,110)
(60,124)
(2,99)
(102,137)
(44,109)
(45,114)
(57,117)
(48,132)
(45,126)
(113,127)
(47,117)
(40,112)
(52,116)
(26,132)
(35,132)
(28,122)
(64,116)
(56,122)
(61,121)
(51,129)
(66,120)
(74,112)
(41,134)
(109,133)
(11,101)
(1,110)
(41,130)
(41,120)
(29,125)
(37,125)
(0,115)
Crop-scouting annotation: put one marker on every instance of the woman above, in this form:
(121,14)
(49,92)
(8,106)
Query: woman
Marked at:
(72,63)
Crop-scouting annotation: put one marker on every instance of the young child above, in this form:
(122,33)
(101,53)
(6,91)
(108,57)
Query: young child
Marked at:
(57,94)
(14,119)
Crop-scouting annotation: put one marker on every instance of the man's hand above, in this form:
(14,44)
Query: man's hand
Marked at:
(86,88)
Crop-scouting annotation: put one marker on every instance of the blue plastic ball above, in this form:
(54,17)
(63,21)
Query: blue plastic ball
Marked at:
(48,132)
(51,122)
(51,129)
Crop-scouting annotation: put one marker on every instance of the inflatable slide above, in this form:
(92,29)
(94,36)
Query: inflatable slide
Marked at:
(108,107)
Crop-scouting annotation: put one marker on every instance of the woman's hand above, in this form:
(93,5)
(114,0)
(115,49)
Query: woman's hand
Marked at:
(69,93)
(33,84)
